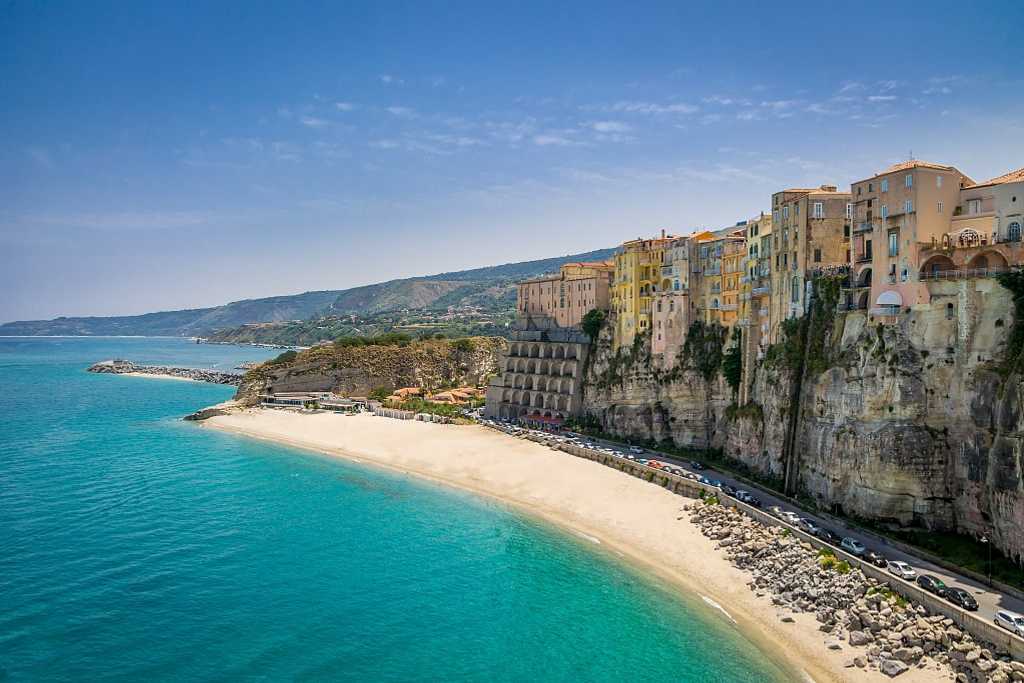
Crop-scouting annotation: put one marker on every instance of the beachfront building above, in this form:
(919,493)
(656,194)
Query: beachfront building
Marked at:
(567,295)
(985,232)
(671,305)
(637,277)
(734,253)
(810,232)
(896,212)
(540,377)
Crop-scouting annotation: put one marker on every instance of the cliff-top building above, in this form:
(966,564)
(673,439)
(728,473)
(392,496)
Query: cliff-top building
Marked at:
(810,230)
(540,376)
(638,269)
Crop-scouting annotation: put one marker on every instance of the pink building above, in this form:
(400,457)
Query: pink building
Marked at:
(568,295)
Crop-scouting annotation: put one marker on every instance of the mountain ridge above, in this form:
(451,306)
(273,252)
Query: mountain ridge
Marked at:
(486,286)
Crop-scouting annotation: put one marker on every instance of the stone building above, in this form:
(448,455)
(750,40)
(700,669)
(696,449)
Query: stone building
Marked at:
(810,231)
(539,380)
(567,295)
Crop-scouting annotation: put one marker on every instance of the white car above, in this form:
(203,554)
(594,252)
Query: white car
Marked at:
(1011,621)
(636,449)
(853,546)
(791,517)
(902,570)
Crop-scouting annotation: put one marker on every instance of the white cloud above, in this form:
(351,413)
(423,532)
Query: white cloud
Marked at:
(881,98)
(557,140)
(636,107)
(402,112)
(611,127)
(127,220)
(344,106)
(388,79)
(313,122)
(385,144)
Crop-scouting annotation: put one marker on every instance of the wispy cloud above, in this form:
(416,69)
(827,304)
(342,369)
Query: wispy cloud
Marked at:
(639,107)
(611,127)
(40,156)
(388,79)
(313,122)
(556,140)
(402,112)
(344,106)
(126,220)
(881,98)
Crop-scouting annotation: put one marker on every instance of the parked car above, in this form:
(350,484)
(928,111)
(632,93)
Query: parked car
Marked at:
(745,497)
(876,559)
(775,511)
(932,584)
(728,490)
(809,526)
(828,536)
(696,465)
(637,450)
(790,517)
(961,598)
(853,546)
(1011,621)
(901,569)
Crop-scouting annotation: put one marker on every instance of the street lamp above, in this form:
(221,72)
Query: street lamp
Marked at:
(984,540)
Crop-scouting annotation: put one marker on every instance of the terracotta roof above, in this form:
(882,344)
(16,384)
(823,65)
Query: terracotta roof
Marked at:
(1011,177)
(915,163)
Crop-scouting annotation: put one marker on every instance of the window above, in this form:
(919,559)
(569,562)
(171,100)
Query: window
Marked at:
(885,211)
(908,180)
(908,205)
(796,209)
(904,274)
(846,230)
(849,210)
(785,212)
(869,187)
(885,185)
(819,210)
(938,206)
(894,243)
(1013,232)
(938,181)
(973,206)
(795,290)
(817,255)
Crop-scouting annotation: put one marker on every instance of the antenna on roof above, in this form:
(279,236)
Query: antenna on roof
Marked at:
(911,155)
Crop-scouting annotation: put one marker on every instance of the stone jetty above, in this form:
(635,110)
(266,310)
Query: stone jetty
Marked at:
(125,367)
(857,614)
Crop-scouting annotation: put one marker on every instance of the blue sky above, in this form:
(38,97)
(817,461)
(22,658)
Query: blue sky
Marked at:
(162,155)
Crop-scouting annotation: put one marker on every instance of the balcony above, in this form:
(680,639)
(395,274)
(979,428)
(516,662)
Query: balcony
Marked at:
(667,271)
(729,307)
(760,291)
(863,258)
(863,227)
(960,274)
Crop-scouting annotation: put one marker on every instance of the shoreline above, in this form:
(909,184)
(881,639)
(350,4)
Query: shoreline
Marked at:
(639,522)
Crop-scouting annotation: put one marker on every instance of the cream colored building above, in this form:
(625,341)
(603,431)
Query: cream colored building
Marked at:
(637,279)
(568,295)
(810,230)
(894,212)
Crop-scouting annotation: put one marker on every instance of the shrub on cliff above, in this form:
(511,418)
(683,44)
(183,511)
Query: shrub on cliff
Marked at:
(592,323)
(1014,359)
(732,362)
(286,357)
(463,344)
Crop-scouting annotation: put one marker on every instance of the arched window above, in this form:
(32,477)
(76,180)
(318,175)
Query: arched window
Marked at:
(1013,232)
(949,311)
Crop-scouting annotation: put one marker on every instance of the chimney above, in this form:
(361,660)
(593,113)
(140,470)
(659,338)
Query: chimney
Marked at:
(829,188)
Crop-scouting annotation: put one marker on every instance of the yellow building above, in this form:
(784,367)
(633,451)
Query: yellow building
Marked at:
(637,279)
(734,252)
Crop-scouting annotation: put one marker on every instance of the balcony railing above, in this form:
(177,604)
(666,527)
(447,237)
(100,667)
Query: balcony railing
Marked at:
(863,227)
(960,274)
(758,291)
(863,258)
(729,307)
(666,271)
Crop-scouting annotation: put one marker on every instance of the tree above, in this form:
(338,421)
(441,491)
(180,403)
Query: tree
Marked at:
(592,323)
(732,362)
(286,357)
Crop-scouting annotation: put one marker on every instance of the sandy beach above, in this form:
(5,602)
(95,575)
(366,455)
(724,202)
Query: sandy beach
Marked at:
(635,519)
(153,375)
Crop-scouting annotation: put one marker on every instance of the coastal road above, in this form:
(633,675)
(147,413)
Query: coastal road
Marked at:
(989,600)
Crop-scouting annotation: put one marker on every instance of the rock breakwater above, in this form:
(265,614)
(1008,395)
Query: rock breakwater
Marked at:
(125,367)
(881,630)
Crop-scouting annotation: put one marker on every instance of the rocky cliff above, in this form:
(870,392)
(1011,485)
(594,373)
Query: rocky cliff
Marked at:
(359,370)
(635,394)
(915,421)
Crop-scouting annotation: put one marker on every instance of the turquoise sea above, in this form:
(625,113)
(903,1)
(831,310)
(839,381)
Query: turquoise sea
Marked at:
(135,546)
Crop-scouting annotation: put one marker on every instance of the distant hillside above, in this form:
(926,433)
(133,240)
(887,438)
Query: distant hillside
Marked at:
(489,288)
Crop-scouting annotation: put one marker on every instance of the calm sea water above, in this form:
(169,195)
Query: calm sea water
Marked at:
(134,546)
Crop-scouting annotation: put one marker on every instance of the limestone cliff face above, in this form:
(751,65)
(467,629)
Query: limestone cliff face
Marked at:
(639,396)
(911,424)
(356,371)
